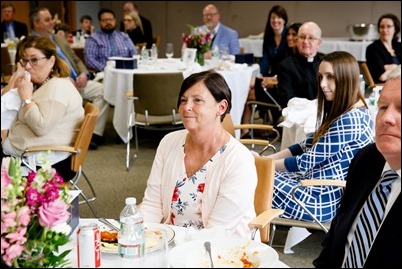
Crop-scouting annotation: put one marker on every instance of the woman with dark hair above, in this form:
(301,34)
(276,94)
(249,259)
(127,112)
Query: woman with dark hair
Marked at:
(274,50)
(344,126)
(198,174)
(51,107)
(274,46)
(291,38)
(384,54)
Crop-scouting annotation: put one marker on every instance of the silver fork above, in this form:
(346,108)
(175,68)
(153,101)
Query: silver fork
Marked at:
(109,224)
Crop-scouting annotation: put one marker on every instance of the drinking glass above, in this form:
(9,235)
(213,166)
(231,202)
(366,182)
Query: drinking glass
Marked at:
(169,50)
(156,249)
(224,53)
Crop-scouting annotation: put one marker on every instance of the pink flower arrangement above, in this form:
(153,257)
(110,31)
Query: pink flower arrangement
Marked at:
(198,39)
(34,212)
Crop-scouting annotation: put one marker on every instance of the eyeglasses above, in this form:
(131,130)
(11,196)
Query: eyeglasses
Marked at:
(309,38)
(210,14)
(107,20)
(33,61)
(386,26)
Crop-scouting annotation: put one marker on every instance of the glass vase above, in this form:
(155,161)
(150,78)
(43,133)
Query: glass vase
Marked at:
(200,58)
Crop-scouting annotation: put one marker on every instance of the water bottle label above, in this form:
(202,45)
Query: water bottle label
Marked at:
(130,251)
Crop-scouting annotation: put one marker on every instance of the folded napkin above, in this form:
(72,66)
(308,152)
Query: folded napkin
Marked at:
(302,112)
(10,104)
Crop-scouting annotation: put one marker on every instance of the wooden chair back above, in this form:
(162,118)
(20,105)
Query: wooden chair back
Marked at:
(264,190)
(84,135)
(366,73)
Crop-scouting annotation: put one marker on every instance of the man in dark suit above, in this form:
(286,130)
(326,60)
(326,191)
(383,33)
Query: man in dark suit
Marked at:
(297,74)
(13,29)
(364,174)
(146,24)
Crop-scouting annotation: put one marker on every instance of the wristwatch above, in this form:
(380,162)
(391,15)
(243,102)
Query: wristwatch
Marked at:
(26,102)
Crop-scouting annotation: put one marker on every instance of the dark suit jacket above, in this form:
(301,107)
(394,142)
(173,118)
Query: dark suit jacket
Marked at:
(297,78)
(20,29)
(364,172)
(147,28)
(377,56)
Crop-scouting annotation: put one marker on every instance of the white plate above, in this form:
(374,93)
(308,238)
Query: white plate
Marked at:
(226,252)
(112,248)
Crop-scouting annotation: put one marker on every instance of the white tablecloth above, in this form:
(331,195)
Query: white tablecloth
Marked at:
(356,48)
(118,81)
(109,260)
(329,44)
(252,45)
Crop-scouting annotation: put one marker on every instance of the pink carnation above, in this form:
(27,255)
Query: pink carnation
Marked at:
(51,214)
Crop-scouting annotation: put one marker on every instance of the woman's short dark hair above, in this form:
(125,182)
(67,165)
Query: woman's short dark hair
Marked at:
(215,84)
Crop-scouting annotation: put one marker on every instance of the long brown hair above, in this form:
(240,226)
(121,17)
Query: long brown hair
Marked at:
(347,93)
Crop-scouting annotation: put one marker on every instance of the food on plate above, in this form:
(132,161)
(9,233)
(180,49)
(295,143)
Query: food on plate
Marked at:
(153,238)
(236,257)
(109,236)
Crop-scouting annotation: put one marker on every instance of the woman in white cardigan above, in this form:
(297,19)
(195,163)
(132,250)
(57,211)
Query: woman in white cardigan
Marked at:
(202,177)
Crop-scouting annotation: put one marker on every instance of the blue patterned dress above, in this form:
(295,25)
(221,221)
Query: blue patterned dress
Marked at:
(329,158)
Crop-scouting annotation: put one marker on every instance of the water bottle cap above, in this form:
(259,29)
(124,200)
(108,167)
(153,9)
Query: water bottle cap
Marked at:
(131,201)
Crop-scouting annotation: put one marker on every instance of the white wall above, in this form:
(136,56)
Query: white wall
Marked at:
(90,8)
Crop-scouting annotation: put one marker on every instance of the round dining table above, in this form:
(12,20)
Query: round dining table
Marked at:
(112,260)
(118,81)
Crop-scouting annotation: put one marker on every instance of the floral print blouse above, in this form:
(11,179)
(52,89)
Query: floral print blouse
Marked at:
(187,196)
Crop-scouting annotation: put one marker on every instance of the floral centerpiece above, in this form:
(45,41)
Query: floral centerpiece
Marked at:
(199,39)
(34,215)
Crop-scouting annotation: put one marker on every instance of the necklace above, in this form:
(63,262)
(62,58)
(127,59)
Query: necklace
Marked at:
(194,164)
(37,86)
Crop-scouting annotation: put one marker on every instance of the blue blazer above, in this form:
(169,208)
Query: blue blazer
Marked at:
(225,37)
(364,172)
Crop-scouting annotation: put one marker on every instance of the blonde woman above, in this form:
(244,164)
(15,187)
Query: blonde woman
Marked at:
(133,27)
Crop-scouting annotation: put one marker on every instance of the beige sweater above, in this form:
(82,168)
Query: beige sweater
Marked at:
(54,119)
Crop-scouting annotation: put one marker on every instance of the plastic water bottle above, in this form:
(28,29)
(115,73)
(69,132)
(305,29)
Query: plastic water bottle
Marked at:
(144,54)
(154,52)
(373,99)
(362,84)
(131,237)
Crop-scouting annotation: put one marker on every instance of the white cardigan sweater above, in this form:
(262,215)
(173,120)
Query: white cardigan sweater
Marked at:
(228,198)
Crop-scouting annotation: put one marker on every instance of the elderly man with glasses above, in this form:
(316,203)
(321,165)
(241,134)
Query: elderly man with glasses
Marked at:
(297,74)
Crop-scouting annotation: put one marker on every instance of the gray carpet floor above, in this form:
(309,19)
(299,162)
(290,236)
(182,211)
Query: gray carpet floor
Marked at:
(106,169)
